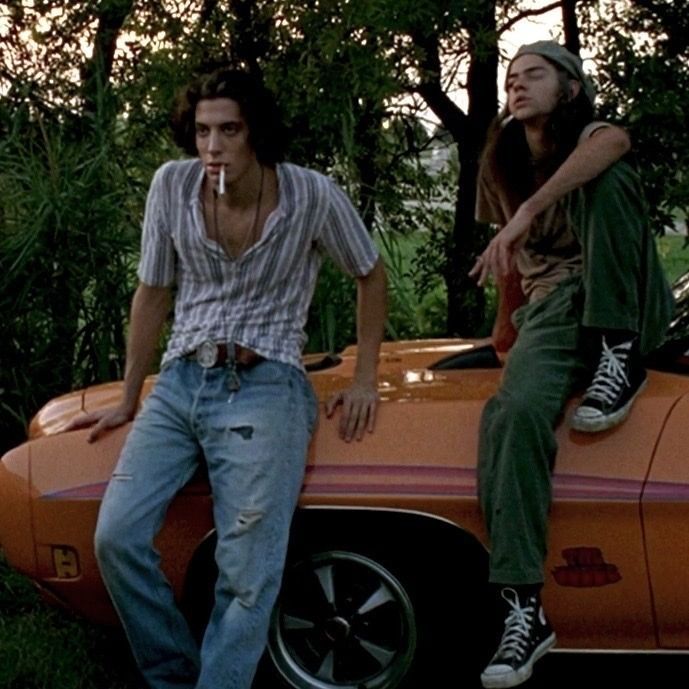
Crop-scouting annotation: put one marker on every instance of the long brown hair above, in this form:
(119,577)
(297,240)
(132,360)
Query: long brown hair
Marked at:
(506,158)
(267,133)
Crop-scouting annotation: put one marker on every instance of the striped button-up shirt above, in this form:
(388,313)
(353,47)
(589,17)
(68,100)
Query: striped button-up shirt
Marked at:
(260,299)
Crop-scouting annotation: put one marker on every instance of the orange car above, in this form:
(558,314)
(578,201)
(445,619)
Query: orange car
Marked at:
(388,565)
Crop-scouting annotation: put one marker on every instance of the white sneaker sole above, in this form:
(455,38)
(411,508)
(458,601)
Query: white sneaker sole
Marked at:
(514,678)
(603,423)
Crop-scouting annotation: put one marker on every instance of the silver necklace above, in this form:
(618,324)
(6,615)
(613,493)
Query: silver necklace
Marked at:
(250,236)
(233,381)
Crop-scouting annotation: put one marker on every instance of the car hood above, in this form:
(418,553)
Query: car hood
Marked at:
(404,374)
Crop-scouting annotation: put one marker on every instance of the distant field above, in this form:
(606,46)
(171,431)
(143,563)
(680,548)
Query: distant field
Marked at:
(673,250)
(422,313)
(674,254)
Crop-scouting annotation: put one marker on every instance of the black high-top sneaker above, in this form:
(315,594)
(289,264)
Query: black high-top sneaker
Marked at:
(526,638)
(619,378)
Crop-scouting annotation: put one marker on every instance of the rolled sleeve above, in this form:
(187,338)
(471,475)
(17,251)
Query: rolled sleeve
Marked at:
(344,236)
(158,257)
(488,206)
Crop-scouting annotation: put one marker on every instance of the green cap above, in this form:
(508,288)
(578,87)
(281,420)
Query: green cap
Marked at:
(558,54)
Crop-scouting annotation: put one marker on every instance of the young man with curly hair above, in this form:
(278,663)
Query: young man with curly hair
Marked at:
(240,234)
(580,281)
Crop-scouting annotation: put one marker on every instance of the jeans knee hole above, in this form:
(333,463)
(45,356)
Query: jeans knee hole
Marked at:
(122,477)
(246,520)
(246,432)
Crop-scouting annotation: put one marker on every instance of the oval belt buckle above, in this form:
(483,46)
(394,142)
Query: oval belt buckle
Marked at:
(207,354)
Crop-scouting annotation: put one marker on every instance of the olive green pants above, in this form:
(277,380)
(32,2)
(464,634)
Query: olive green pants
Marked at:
(622,286)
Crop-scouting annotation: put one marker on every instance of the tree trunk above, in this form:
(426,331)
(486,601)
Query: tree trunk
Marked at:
(466,301)
(97,71)
(571,26)
(251,34)
(366,138)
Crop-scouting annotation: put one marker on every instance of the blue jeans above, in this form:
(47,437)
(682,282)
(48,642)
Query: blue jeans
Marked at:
(254,442)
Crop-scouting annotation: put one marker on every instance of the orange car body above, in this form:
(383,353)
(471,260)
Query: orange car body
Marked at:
(619,542)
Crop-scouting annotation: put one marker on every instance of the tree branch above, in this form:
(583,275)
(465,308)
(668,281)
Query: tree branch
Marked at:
(430,87)
(528,13)
(97,71)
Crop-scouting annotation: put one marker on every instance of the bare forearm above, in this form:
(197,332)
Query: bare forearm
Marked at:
(360,401)
(371,315)
(591,157)
(149,310)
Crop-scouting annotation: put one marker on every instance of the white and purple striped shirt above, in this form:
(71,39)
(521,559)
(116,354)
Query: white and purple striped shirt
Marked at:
(260,299)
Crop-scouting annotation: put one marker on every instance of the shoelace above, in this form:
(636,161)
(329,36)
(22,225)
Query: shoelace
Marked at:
(610,374)
(517,625)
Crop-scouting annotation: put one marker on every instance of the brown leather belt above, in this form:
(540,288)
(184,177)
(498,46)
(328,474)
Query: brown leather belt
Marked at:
(211,354)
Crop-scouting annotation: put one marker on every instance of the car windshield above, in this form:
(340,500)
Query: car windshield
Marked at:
(674,352)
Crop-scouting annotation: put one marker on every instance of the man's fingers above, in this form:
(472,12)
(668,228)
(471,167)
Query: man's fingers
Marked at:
(353,420)
(372,411)
(79,422)
(486,265)
(108,422)
(504,258)
(96,432)
(346,418)
(358,413)
(485,273)
(332,403)
(357,422)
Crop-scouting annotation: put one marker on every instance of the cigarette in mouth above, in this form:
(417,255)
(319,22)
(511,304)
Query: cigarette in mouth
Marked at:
(221,183)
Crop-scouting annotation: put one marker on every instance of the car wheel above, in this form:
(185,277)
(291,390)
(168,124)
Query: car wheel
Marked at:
(343,621)
(373,601)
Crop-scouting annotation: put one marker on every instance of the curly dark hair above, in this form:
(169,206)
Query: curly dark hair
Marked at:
(267,133)
(506,157)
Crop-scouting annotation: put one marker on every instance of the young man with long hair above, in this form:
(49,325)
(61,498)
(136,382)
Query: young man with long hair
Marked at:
(240,234)
(575,254)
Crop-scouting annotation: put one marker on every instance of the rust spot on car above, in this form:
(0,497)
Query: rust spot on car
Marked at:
(586,567)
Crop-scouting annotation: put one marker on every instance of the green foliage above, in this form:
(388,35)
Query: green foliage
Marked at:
(644,84)
(333,73)
(331,325)
(43,648)
(82,135)
(674,255)
(415,226)
(70,210)
(413,312)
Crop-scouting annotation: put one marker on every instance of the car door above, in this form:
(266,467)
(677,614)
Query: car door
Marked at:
(665,509)
(597,591)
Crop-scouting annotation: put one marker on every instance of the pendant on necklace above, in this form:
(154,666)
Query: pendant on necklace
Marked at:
(233,382)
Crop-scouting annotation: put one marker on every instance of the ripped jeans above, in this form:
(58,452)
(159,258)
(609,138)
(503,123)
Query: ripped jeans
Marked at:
(254,442)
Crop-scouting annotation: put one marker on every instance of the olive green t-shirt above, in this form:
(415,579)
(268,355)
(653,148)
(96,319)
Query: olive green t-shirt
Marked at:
(551,252)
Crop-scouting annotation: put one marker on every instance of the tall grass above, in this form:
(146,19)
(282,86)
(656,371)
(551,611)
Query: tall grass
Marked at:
(42,648)
(674,255)
(68,240)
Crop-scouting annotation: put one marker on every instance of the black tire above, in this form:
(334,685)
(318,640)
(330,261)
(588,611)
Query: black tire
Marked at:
(398,601)
(343,621)
(443,639)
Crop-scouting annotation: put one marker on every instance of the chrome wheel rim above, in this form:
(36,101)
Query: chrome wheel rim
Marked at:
(343,621)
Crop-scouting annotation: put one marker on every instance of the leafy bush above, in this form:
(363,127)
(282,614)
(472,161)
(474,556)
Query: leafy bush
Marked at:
(69,213)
